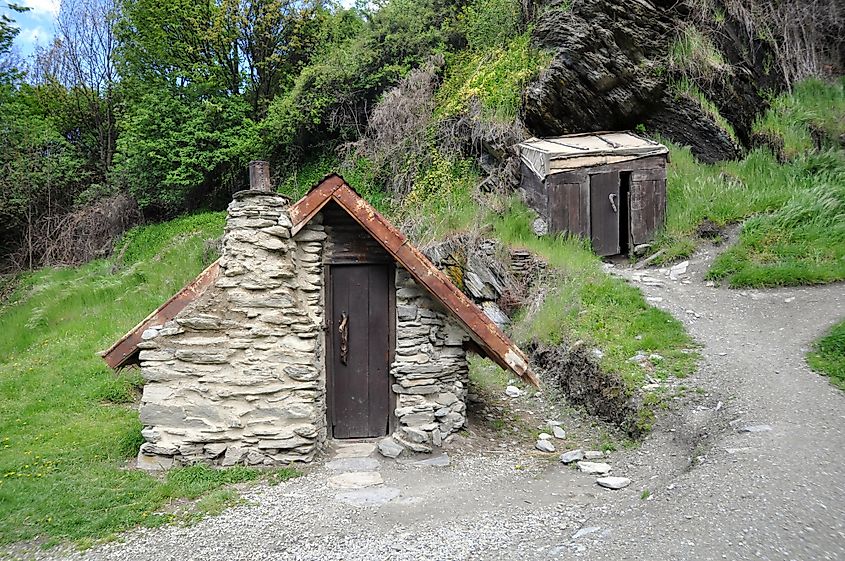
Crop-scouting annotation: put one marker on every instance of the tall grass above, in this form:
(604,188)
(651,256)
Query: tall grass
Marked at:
(793,212)
(828,355)
(584,302)
(67,424)
(811,103)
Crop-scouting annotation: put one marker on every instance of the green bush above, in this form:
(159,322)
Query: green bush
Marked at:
(495,77)
(490,23)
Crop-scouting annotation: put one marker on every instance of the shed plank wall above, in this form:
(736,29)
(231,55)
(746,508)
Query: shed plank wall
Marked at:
(347,241)
(535,192)
(564,199)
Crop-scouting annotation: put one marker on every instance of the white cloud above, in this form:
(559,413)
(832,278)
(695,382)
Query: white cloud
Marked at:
(34,35)
(43,7)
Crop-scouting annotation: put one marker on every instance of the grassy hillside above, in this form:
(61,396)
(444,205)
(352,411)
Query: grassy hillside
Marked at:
(794,232)
(68,424)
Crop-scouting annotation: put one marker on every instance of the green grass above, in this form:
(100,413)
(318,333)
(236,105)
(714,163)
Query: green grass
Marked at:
(67,424)
(586,303)
(793,213)
(812,103)
(828,355)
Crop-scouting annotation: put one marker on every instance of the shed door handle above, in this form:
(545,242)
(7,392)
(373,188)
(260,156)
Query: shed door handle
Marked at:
(343,329)
(612,198)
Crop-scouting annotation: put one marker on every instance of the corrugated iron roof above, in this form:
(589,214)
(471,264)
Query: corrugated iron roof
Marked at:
(550,155)
(485,333)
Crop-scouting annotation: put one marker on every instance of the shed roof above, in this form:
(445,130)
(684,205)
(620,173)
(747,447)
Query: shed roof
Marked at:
(546,156)
(492,342)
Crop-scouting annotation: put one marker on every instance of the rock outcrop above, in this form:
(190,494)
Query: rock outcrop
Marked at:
(610,72)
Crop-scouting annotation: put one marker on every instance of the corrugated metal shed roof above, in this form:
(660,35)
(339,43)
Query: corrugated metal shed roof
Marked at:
(546,156)
(484,332)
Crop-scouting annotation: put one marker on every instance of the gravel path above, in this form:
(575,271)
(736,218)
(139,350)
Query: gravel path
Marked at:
(716,492)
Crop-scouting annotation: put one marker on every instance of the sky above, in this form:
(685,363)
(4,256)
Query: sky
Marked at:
(37,25)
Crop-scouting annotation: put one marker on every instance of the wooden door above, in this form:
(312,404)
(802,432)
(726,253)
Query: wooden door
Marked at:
(605,212)
(359,358)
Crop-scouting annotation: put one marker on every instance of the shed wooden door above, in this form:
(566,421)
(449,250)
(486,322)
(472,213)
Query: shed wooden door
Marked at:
(359,361)
(605,209)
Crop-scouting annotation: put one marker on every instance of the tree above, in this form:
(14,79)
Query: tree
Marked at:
(8,32)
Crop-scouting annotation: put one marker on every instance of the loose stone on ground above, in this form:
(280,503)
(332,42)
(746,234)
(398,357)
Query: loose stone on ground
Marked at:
(594,468)
(615,483)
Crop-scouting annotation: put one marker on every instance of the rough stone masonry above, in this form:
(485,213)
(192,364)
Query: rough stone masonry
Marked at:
(239,377)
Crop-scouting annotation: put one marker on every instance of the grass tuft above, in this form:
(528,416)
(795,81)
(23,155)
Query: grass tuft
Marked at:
(828,355)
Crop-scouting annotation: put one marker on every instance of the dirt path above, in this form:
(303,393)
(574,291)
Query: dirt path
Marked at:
(715,492)
(777,492)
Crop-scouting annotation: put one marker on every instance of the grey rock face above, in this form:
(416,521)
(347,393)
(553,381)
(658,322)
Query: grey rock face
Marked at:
(608,73)
(544,446)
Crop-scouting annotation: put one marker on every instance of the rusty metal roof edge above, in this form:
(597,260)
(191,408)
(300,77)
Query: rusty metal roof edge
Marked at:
(509,357)
(196,287)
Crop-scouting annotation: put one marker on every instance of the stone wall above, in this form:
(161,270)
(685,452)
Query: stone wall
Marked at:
(238,376)
(430,370)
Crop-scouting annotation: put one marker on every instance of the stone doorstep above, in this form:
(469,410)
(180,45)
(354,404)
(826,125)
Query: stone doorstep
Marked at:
(337,449)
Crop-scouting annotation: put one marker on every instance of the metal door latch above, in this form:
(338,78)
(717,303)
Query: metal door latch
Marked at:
(343,329)
(612,198)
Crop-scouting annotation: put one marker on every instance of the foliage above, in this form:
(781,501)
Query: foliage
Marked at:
(490,23)
(174,155)
(495,77)
(828,355)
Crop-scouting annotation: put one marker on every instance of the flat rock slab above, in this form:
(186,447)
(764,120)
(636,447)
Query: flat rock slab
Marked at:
(572,456)
(437,461)
(375,496)
(593,455)
(544,446)
(613,482)
(594,468)
(389,448)
(356,450)
(585,531)
(356,480)
(558,432)
(756,428)
(353,464)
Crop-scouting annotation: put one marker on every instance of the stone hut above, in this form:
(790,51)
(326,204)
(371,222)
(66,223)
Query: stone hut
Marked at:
(319,321)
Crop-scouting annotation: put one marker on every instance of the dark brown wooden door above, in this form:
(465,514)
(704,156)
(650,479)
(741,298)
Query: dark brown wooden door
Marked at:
(359,361)
(605,212)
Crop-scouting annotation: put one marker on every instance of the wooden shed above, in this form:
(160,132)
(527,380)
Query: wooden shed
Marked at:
(609,187)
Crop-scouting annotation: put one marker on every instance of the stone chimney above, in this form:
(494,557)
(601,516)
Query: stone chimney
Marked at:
(238,376)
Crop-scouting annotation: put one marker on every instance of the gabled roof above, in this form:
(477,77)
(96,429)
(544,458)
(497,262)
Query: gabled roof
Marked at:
(492,342)
(550,155)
